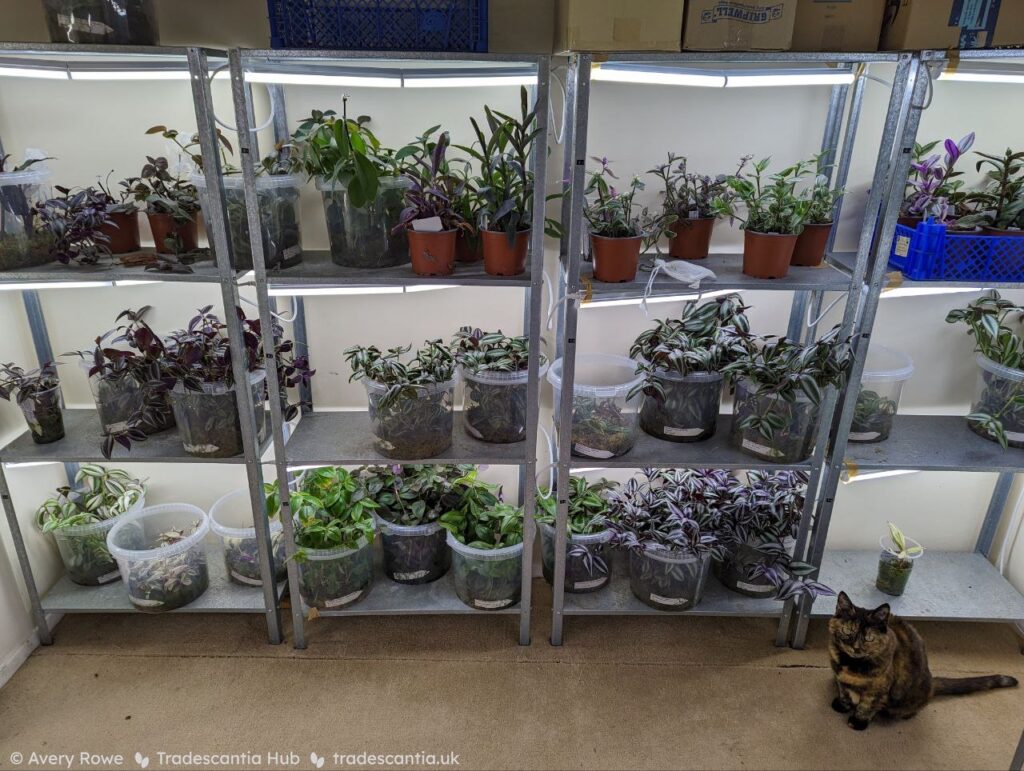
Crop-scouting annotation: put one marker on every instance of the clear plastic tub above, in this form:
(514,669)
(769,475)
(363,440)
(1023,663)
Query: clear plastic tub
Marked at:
(885,372)
(415,425)
(588,559)
(893,570)
(793,443)
(487,579)
(20,245)
(414,554)
(689,411)
(208,419)
(231,518)
(604,417)
(495,405)
(362,237)
(999,393)
(330,579)
(112,22)
(161,577)
(733,570)
(44,415)
(668,580)
(121,399)
(278,198)
(84,551)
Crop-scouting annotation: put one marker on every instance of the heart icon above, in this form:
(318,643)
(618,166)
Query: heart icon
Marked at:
(142,760)
(316,760)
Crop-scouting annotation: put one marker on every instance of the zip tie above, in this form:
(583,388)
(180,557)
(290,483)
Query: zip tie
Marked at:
(824,313)
(279,316)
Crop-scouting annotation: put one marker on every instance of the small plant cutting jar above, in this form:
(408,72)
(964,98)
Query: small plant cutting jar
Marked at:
(331,579)
(668,579)
(588,559)
(118,397)
(896,563)
(885,373)
(365,236)
(231,518)
(161,555)
(487,579)
(20,245)
(111,22)
(37,393)
(414,554)
(208,418)
(791,441)
(604,404)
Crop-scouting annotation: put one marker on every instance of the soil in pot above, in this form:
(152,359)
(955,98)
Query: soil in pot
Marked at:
(666,580)
(767,255)
(1000,393)
(171,236)
(414,554)
(502,258)
(588,559)
(469,247)
(689,410)
(415,425)
(208,419)
(363,237)
(692,239)
(44,416)
(432,254)
(18,252)
(615,259)
(487,579)
(123,232)
(330,579)
(810,245)
(495,406)
(792,443)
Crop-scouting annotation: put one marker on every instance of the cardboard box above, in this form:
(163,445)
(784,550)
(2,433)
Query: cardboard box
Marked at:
(848,25)
(619,25)
(739,25)
(914,25)
(521,26)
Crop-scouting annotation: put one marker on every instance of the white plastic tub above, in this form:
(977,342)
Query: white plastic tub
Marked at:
(885,372)
(487,579)
(604,416)
(495,404)
(158,577)
(84,551)
(20,246)
(231,517)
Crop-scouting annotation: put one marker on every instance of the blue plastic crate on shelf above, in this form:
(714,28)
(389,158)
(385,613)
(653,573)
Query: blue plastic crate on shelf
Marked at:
(379,25)
(932,253)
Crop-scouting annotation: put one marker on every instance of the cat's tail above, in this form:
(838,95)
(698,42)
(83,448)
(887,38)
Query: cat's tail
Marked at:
(958,686)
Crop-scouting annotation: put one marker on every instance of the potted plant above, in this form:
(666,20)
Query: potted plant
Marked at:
(999,208)
(21,188)
(619,228)
(231,519)
(997,412)
(931,182)
(667,521)
(80,520)
(37,392)
(334,532)
(495,370)
(681,361)
(410,403)
(813,239)
(161,554)
(122,226)
(112,22)
(689,200)
(73,223)
(775,216)
(896,561)
(778,387)
(588,556)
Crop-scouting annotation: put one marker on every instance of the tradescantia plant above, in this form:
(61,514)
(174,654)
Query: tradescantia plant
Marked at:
(821,200)
(688,195)
(331,510)
(588,553)
(588,505)
(37,392)
(614,213)
(1001,204)
(433,364)
(491,527)
(771,205)
(415,495)
(73,222)
(434,190)
(931,190)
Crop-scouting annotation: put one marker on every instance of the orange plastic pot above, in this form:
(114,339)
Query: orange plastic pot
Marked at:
(810,245)
(468,248)
(165,227)
(122,232)
(692,239)
(501,258)
(432,254)
(767,255)
(615,259)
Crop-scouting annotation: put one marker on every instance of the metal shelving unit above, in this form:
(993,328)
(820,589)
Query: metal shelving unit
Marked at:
(808,286)
(81,444)
(344,437)
(961,586)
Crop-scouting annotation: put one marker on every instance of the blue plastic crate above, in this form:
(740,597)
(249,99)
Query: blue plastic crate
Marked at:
(379,25)
(931,253)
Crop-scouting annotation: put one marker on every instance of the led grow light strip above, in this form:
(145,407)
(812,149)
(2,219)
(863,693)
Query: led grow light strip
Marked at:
(759,80)
(922,291)
(471,81)
(656,77)
(353,290)
(669,76)
(32,72)
(301,79)
(866,475)
(19,287)
(664,299)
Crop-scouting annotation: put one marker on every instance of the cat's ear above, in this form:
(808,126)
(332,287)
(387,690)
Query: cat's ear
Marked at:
(844,607)
(880,615)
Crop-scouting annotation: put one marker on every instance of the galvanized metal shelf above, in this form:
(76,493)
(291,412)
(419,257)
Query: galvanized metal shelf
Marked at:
(895,279)
(204,271)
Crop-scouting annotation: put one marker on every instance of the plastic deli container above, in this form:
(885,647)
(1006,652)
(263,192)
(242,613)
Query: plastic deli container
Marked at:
(668,580)
(160,578)
(44,415)
(893,570)
(793,443)
(112,22)
(208,419)
(232,519)
(361,237)
(689,411)
(278,199)
(588,559)
(414,554)
(604,416)
(331,579)
(84,551)
(20,245)
(495,405)
(415,425)
(487,579)
(997,393)
(885,372)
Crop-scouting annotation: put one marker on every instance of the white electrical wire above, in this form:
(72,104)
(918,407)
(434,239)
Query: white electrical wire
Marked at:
(224,125)
(824,313)
(279,316)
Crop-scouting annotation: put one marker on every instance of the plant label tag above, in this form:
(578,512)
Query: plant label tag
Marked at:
(864,436)
(694,214)
(245,579)
(761,449)
(1015,436)
(492,604)
(657,599)
(581,586)
(428,225)
(343,600)
(145,603)
(413,576)
(292,252)
(673,431)
(902,246)
(106,579)
(590,452)
(756,588)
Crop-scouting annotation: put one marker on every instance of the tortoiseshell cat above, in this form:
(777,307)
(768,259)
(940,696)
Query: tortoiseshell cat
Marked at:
(881,666)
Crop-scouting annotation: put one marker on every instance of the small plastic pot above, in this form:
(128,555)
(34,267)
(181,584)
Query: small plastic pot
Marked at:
(487,579)
(122,230)
(415,425)
(767,255)
(414,554)
(668,580)
(689,411)
(998,392)
(171,236)
(469,247)
(432,254)
(502,258)
(84,552)
(161,578)
(231,518)
(810,245)
(588,559)
(44,416)
(330,579)
(364,237)
(604,416)
(793,443)
(692,239)
(20,245)
(208,419)
(885,372)
(615,259)
(111,22)
(893,570)
(733,571)
(495,405)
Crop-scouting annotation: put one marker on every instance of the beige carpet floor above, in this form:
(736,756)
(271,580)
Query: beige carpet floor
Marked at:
(644,693)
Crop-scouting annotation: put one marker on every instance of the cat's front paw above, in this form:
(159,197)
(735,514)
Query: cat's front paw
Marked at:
(857,723)
(841,706)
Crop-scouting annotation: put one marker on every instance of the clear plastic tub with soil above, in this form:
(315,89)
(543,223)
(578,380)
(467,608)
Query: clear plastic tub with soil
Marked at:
(792,442)
(733,570)
(487,579)
(231,518)
(361,237)
(999,393)
(84,551)
(120,401)
(668,580)
(688,411)
(588,559)
(44,415)
(21,246)
(894,569)
(208,419)
(885,373)
(109,22)
(415,424)
(331,579)
(414,554)
(495,405)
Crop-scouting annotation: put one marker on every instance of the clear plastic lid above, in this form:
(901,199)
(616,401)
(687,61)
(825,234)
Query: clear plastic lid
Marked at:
(599,375)
(503,378)
(887,364)
(263,181)
(386,182)
(30,176)
(326,555)
(146,525)
(255,377)
(231,515)
(423,390)
(1009,373)
(484,555)
(601,536)
(390,528)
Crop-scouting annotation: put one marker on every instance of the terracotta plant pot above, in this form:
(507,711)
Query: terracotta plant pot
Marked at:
(767,255)
(500,259)
(432,254)
(810,245)
(692,239)
(164,226)
(468,248)
(615,259)
(123,232)
(989,231)
(910,222)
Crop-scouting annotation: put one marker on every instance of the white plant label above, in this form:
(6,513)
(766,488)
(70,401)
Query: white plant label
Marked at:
(593,584)
(109,577)
(428,225)
(694,214)
(673,431)
(590,452)
(760,448)
(759,588)
(343,600)
(659,600)
(864,436)
(1015,436)
(492,604)
(902,246)
(145,603)
(245,579)
(413,576)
